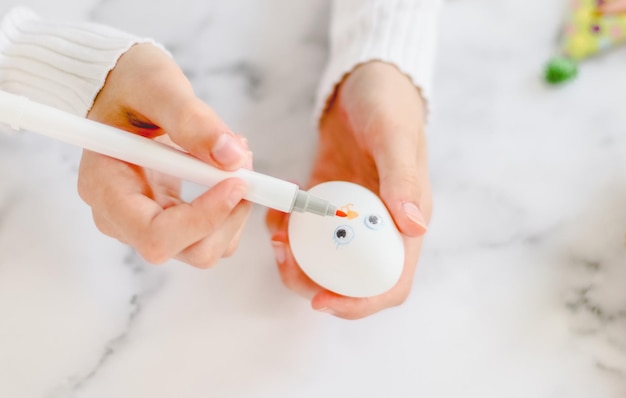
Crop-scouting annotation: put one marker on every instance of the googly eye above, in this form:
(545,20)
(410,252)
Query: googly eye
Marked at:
(373,221)
(343,235)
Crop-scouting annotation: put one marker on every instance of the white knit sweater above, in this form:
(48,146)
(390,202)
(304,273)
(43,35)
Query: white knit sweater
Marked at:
(65,64)
(401,32)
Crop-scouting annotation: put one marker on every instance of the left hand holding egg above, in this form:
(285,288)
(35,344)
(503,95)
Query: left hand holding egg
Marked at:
(373,135)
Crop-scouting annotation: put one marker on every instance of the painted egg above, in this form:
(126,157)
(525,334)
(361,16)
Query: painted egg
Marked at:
(359,255)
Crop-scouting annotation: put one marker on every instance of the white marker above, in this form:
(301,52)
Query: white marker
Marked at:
(20,113)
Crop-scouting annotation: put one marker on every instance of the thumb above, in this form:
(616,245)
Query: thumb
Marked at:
(194,126)
(404,184)
(161,92)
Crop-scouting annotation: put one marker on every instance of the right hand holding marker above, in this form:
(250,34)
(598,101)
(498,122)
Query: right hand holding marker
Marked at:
(147,94)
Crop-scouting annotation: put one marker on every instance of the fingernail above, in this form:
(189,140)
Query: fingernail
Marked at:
(228,151)
(327,310)
(414,214)
(279,251)
(235,196)
(249,161)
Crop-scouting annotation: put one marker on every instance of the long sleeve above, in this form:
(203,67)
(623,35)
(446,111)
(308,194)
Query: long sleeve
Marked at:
(62,64)
(401,32)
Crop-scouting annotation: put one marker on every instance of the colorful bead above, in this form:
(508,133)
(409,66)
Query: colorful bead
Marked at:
(617,32)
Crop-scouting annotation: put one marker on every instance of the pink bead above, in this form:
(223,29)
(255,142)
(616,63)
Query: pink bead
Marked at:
(616,32)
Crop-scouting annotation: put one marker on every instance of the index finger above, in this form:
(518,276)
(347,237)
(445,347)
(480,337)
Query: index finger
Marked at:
(160,234)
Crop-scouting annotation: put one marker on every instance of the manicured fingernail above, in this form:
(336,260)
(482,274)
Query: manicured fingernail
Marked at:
(228,151)
(248,164)
(414,214)
(279,251)
(327,310)
(235,196)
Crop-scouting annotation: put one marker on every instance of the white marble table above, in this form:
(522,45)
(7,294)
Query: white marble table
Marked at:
(521,289)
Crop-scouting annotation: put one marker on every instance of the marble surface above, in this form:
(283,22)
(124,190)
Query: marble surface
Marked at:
(521,288)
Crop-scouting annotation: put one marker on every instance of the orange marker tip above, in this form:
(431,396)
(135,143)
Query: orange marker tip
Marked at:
(340,213)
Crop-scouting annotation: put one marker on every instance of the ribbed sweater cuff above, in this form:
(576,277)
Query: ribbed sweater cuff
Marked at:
(400,32)
(61,64)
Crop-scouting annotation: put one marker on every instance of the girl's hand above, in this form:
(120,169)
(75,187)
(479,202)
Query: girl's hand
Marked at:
(372,135)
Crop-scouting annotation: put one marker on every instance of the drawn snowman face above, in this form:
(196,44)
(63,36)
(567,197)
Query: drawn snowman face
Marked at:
(359,255)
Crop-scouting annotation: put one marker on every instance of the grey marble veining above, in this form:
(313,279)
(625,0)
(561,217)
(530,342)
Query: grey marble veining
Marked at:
(149,285)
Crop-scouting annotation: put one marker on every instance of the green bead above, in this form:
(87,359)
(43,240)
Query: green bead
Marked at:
(560,70)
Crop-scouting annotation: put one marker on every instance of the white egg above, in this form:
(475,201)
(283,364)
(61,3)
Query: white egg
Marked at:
(361,255)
